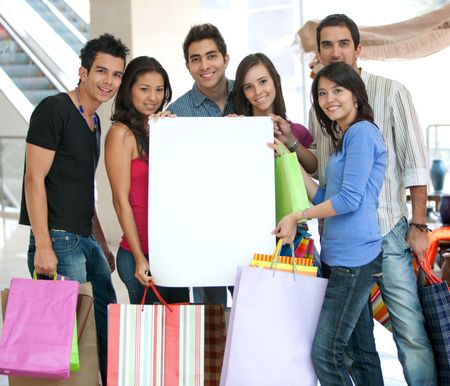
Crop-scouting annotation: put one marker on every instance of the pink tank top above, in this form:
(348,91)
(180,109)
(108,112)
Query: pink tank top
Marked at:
(138,198)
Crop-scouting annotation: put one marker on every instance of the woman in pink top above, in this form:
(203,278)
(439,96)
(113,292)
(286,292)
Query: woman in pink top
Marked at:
(144,91)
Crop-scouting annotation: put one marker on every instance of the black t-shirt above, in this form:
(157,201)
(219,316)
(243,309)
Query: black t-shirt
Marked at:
(56,124)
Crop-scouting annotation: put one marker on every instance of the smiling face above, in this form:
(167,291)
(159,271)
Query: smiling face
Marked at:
(147,93)
(207,65)
(103,79)
(337,102)
(259,90)
(337,45)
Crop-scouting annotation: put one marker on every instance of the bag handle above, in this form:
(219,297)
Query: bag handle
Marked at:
(430,276)
(276,257)
(56,277)
(158,295)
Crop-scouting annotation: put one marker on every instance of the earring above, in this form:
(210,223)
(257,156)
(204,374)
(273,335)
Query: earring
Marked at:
(356,105)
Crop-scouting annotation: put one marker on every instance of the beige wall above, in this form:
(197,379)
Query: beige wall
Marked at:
(155,28)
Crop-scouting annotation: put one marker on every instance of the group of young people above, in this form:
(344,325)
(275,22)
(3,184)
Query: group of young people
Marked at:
(363,143)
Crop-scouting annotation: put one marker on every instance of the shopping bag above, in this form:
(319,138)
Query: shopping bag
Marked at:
(87,346)
(299,265)
(435,300)
(271,329)
(379,309)
(38,328)
(164,344)
(290,191)
(74,355)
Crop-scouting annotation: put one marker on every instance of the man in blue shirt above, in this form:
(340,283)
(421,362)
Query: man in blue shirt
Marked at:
(206,58)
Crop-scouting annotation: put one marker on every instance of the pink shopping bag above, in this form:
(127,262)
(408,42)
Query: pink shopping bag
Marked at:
(37,331)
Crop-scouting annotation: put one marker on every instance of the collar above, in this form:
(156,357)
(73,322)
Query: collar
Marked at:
(198,97)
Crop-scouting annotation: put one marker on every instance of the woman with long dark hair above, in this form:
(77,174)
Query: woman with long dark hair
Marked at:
(257,92)
(144,92)
(351,241)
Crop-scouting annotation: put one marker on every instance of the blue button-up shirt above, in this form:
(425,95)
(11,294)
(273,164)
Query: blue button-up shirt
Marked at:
(196,104)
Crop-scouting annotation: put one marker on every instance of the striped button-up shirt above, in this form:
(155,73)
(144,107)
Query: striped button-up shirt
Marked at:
(395,115)
(196,104)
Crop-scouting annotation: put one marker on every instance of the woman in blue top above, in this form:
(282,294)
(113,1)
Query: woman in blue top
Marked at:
(351,241)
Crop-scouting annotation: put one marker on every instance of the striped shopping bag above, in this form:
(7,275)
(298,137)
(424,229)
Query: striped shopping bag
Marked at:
(165,345)
(156,345)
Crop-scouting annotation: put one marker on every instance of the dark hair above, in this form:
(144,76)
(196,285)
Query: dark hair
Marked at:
(124,110)
(345,76)
(338,20)
(201,32)
(106,44)
(240,103)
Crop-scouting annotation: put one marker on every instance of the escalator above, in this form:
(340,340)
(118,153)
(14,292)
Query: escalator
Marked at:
(66,24)
(22,70)
(39,47)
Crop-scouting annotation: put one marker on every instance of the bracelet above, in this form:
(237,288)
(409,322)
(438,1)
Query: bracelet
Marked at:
(294,145)
(420,227)
(302,216)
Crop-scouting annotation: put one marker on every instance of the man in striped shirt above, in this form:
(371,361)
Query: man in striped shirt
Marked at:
(338,40)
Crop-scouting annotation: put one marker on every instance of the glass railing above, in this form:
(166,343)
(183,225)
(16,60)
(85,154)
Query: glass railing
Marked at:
(12,155)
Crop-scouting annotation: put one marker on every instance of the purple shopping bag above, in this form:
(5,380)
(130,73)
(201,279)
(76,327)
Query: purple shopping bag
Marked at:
(38,326)
(271,329)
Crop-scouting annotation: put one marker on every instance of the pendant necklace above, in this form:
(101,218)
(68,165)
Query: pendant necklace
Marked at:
(81,109)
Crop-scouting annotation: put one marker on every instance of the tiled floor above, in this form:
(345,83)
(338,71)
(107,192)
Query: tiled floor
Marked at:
(13,246)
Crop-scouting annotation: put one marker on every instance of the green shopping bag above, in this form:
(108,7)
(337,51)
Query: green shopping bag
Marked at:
(74,357)
(290,191)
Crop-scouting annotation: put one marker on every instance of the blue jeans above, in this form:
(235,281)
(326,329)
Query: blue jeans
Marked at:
(345,308)
(126,268)
(81,258)
(398,286)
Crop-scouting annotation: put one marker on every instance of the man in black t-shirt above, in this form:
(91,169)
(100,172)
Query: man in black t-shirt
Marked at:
(62,152)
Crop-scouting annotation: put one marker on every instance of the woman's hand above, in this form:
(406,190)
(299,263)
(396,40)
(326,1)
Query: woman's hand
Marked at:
(287,228)
(282,130)
(140,274)
(161,114)
(275,146)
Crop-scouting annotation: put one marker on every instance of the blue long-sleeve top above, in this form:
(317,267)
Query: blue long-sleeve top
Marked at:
(353,180)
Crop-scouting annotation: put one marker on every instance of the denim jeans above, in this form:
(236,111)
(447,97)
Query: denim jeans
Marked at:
(345,308)
(398,286)
(126,268)
(81,258)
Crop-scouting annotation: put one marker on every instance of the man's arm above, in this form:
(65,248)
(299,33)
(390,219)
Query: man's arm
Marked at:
(412,155)
(417,238)
(98,234)
(39,161)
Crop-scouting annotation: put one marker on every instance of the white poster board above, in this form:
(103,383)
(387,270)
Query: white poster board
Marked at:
(211,198)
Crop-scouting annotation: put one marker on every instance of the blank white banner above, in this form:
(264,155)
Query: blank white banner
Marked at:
(211,198)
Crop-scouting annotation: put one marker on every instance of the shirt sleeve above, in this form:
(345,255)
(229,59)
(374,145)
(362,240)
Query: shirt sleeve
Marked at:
(46,125)
(360,152)
(301,133)
(409,143)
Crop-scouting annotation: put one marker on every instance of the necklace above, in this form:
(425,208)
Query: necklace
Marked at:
(81,109)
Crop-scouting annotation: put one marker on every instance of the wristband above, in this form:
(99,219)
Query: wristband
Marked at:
(420,227)
(293,146)
(302,216)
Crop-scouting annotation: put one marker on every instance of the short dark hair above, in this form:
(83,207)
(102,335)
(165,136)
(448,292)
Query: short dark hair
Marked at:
(106,44)
(338,20)
(345,76)
(202,32)
(240,104)
(124,110)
